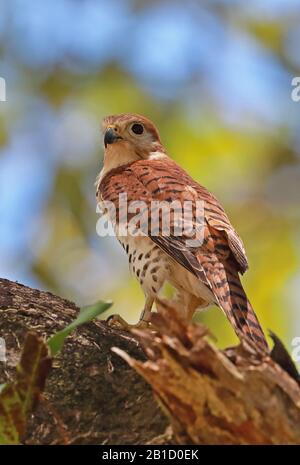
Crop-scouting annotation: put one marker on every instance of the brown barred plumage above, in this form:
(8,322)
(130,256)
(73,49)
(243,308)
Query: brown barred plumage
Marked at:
(138,166)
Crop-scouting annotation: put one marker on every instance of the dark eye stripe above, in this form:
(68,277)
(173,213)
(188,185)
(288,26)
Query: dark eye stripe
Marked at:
(137,128)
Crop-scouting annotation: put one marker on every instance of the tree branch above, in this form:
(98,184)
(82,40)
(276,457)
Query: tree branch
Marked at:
(91,396)
(236,396)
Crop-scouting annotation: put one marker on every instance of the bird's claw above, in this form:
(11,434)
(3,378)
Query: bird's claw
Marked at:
(116,321)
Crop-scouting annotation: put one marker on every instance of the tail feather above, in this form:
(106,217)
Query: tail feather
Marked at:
(232,299)
(245,319)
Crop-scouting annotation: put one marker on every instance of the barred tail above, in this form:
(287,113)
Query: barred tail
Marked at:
(231,297)
(241,314)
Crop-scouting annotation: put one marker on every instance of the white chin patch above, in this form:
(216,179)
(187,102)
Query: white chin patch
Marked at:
(156,155)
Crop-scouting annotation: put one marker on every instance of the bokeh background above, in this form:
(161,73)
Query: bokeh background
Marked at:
(215,76)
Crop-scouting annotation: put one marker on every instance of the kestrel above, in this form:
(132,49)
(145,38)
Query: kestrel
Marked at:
(136,164)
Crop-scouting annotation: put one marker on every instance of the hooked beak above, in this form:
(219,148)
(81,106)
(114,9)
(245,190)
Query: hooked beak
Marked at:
(110,137)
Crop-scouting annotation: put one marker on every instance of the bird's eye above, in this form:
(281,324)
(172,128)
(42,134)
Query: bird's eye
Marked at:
(137,128)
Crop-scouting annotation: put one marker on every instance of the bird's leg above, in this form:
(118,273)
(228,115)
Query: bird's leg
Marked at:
(183,302)
(117,321)
(145,315)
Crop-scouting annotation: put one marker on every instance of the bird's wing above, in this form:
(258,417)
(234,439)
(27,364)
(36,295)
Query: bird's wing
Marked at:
(166,181)
(221,227)
(219,258)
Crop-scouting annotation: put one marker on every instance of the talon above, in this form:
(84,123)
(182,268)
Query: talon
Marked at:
(142,324)
(116,321)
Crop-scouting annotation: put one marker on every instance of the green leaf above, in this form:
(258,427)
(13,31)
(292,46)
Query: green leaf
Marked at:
(86,314)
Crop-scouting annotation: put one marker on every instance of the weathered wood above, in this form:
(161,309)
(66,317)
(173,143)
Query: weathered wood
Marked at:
(237,396)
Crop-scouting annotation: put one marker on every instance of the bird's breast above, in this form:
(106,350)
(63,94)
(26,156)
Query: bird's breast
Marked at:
(147,262)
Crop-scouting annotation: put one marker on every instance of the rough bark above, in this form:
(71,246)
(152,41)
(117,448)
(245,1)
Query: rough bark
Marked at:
(92,396)
(236,396)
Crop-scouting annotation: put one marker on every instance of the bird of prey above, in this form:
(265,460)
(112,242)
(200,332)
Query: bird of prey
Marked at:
(136,164)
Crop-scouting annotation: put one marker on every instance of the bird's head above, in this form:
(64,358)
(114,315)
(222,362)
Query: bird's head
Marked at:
(129,137)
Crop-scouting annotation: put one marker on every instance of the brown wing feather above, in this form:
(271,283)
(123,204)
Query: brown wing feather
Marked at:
(216,217)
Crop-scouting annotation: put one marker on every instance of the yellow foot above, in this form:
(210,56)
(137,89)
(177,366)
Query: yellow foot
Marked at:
(116,321)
